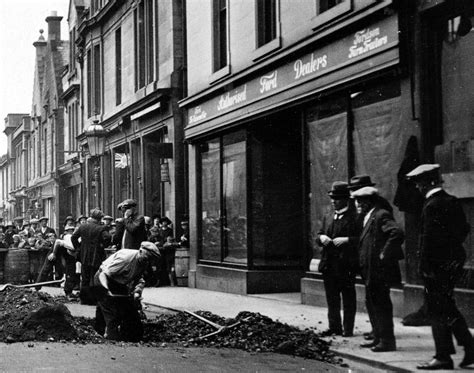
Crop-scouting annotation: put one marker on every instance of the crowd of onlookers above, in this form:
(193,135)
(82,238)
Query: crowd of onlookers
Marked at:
(37,236)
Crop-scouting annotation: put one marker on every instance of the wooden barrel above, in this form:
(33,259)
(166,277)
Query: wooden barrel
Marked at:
(17,266)
(3,253)
(181,266)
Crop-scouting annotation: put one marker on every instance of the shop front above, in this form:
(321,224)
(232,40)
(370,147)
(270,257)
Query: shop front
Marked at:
(265,153)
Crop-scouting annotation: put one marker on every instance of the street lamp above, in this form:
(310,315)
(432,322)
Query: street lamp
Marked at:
(95,136)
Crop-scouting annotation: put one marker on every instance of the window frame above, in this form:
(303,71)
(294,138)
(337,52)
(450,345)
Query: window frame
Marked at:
(273,44)
(321,19)
(222,140)
(219,70)
(118,66)
(145,28)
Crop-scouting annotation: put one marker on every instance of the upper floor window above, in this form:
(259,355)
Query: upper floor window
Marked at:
(96,5)
(72,50)
(219,23)
(324,5)
(94,81)
(145,41)
(118,66)
(266,21)
(328,10)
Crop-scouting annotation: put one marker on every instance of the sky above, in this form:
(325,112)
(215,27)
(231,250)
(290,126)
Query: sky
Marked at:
(20,22)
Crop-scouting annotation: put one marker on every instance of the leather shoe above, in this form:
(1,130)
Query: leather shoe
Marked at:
(468,357)
(369,344)
(369,336)
(384,347)
(436,364)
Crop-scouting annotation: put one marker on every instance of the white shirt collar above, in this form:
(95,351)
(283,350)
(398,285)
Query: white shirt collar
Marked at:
(432,191)
(367,216)
(338,213)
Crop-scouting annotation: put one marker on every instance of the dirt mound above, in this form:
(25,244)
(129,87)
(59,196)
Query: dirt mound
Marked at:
(254,333)
(26,315)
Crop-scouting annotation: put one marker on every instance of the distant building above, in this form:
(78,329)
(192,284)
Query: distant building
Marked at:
(131,77)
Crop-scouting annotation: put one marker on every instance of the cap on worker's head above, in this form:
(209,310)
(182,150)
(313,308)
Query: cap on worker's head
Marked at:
(107,217)
(360,181)
(127,204)
(69,217)
(151,248)
(428,172)
(165,219)
(365,192)
(69,227)
(339,189)
(43,218)
(34,221)
(96,214)
(81,217)
(18,218)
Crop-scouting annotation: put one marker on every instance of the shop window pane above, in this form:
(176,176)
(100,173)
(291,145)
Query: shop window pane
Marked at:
(276,179)
(457,80)
(211,202)
(327,154)
(122,174)
(235,202)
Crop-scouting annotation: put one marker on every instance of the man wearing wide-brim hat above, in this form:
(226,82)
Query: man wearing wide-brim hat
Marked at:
(338,238)
(444,228)
(379,252)
(361,181)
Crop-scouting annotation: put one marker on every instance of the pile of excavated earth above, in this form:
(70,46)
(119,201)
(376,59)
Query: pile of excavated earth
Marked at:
(27,315)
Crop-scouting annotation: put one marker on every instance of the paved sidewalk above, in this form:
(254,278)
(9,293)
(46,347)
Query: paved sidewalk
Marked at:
(415,344)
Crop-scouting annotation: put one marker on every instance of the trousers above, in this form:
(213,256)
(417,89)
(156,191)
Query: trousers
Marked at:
(380,310)
(446,319)
(340,288)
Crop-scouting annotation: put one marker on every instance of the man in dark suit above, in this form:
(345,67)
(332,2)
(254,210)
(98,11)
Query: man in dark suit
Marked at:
(379,252)
(338,237)
(94,238)
(443,230)
(130,230)
(43,229)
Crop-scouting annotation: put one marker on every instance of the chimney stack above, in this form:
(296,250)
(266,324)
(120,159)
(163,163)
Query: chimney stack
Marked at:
(54,26)
(40,45)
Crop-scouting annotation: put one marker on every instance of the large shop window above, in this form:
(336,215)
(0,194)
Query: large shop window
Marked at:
(276,192)
(224,199)
(122,187)
(327,155)
(372,143)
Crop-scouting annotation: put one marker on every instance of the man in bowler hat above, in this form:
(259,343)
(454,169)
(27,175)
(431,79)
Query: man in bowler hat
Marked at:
(379,252)
(443,230)
(338,238)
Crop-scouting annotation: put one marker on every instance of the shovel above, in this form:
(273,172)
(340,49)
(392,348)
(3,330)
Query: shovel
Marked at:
(4,286)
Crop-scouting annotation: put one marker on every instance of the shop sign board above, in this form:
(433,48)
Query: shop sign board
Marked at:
(364,43)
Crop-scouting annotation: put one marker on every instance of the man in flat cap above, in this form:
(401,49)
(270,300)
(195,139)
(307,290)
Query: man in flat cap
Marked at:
(130,230)
(94,238)
(338,238)
(43,229)
(119,284)
(379,252)
(443,230)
